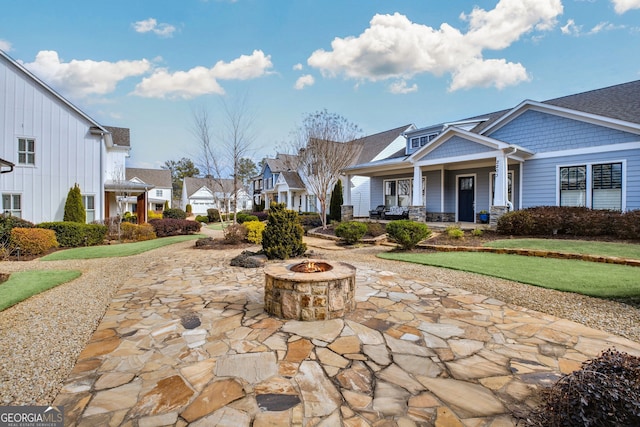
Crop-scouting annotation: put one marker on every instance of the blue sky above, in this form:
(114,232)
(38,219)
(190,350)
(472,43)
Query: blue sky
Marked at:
(148,64)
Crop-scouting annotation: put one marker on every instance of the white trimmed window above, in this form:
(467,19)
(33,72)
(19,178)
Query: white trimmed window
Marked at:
(604,182)
(158,193)
(399,192)
(12,205)
(89,203)
(26,151)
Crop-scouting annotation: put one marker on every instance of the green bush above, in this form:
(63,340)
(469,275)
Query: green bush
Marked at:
(174,213)
(32,241)
(242,217)
(309,220)
(188,209)
(73,208)
(351,231)
(136,233)
(282,237)
(74,234)
(335,203)
(477,232)
(407,233)
(254,231)
(202,218)
(454,232)
(214,215)
(8,223)
(516,223)
(174,227)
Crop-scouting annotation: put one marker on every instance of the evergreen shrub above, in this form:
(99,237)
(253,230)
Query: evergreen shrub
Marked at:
(174,227)
(407,233)
(8,223)
(254,231)
(282,237)
(202,218)
(188,209)
(351,231)
(175,213)
(74,234)
(73,208)
(32,241)
(137,233)
(214,215)
(454,232)
(335,203)
(242,217)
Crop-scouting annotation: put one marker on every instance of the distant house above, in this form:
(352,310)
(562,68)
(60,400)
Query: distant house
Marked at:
(53,145)
(158,187)
(578,150)
(210,193)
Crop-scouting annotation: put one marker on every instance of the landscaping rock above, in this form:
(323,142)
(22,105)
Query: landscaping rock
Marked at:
(248,259)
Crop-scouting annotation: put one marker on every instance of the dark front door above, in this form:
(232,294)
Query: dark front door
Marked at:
(466,199)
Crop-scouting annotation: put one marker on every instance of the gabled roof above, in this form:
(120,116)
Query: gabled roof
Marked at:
(372,145)
(157,177)
(281,163)
(215,186)
(293,180)
(120,136)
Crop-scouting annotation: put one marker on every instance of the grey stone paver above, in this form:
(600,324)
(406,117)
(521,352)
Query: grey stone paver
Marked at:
(186,341)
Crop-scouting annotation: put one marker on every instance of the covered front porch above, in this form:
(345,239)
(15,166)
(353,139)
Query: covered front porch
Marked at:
(120,197)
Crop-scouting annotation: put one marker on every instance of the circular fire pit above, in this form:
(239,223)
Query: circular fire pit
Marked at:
(309,289)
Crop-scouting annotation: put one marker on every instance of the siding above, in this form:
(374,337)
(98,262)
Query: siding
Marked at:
(542,132)
(433,190)
(456,146)
(65,151)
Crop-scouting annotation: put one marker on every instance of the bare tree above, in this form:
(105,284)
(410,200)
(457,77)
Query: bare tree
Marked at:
(323,148)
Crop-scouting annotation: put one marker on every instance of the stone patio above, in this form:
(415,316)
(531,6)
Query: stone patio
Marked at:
(187,342)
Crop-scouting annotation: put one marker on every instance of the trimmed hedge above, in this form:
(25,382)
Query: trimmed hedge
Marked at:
(407,233)
(202,218)
(242,217)
(8,223)
(74,234)
(570,221)
(174,213)
(174,227)
(32,241)
(137,233)
(351,231)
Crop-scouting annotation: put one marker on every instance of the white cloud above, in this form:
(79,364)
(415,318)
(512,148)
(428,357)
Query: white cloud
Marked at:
(571,28)
(400,87)
(151,25)
(297,67)
(201,80)
(393,47)
(80,78)
(306,80)
(5,45)
(622,6)
(605,26)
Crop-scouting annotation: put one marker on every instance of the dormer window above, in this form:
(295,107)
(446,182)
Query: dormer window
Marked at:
(423,140)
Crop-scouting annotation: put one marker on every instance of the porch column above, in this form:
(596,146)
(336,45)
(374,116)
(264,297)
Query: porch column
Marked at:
(346,193)
(417,187)
(500,191)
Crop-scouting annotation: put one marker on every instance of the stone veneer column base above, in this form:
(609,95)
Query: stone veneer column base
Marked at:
(346,213)
(417,213)
(495,213)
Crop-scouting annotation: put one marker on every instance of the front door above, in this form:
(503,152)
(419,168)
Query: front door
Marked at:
(466,199)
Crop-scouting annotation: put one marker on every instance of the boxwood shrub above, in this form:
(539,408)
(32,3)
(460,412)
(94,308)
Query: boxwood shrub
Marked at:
(174,213)
(407,233)
(351,231)
(174,227)
(75,234)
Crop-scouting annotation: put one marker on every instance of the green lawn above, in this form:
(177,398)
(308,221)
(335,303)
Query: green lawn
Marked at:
(118,250)
(22,285)
(625,250)
(588,278)
(218,225)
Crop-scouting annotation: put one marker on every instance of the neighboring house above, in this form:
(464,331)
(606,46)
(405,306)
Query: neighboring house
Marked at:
(53,145)
(578,150)
(210,193)
(159,188)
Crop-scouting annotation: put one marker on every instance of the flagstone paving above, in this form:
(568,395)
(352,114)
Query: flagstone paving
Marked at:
(186,342)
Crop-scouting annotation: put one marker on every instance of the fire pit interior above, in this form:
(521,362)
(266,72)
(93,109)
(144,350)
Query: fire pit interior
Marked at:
(309,289)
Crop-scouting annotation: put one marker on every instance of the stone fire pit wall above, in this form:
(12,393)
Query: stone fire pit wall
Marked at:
(309,296)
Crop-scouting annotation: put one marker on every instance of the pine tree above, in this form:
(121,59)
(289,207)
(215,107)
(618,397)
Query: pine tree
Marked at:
(73,208)
(335,205)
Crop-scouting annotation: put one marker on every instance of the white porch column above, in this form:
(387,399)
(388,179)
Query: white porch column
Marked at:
(289,200)
(500,191)
(416,199)
(346,191)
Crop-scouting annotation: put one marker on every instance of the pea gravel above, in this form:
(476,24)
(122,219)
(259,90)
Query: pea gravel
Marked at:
(41,338)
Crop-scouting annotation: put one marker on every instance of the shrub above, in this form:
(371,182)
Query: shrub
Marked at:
(188,209)
(477,232)
(454,232)
(375,229)
(235,233)
(254,231)
(516,223)
(242,217)
(32,241)
(627,225)
(174,227)
(310,220)
(202,218)
(407,233)
(605,391)
(137,233)
(74,234)
(8,223)
(129,217)
(153,215)
(73,208)
(214,215)
(351,231)
(174,213)
(282,237)
(335,203)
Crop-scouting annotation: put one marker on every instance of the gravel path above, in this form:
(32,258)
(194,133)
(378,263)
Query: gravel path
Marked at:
(41,338)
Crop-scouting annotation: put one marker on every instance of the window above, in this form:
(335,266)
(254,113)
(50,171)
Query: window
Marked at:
(26,151)
(158,193)
(607,186)
(415,142)
(573,185)
(89,203)
(12,205)
(399,192)
(390,193)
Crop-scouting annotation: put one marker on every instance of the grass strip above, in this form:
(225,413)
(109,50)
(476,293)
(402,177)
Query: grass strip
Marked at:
(623,250)
(587,278)
(24,284)
(117,250)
